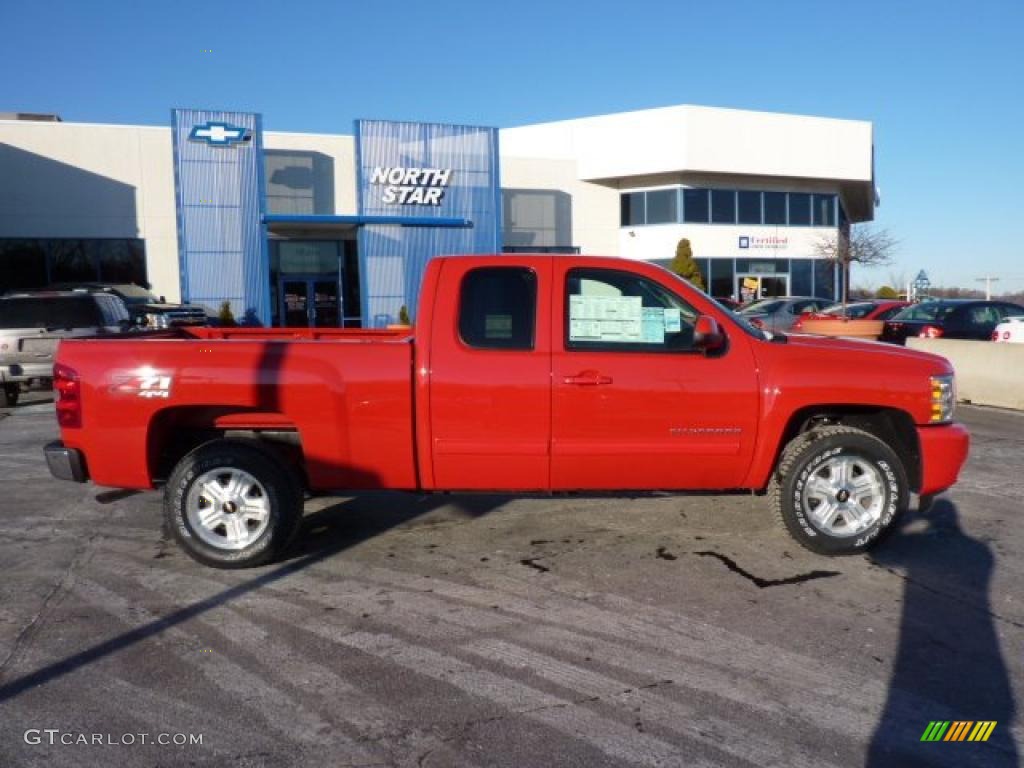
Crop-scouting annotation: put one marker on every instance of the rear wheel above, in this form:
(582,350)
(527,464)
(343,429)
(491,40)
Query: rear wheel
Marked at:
(230,504)
(837,489)
(9,394)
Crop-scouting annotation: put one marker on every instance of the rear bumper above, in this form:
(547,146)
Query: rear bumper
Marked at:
(65,463)
(943,453)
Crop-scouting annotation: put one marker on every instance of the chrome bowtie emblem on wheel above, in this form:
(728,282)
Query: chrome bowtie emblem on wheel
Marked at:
(844,496)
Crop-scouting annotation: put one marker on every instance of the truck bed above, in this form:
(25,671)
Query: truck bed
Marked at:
(347,393)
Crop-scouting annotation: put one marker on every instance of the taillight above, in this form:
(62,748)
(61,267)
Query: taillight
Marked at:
(930,332)
(69,396)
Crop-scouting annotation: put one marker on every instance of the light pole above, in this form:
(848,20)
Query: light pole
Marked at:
(988,280)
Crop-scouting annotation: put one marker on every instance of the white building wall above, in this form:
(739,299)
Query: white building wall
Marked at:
(92,181)
(595,208)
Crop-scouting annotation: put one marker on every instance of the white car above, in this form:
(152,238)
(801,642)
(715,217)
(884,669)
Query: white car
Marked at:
(1011,330)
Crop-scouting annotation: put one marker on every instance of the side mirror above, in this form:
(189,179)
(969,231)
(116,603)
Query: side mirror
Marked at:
(707,336)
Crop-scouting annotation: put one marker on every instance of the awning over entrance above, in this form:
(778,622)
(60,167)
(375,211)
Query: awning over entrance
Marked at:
(284,223)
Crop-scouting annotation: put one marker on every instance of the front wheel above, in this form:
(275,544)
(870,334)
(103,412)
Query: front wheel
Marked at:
(230,504)
(837,489)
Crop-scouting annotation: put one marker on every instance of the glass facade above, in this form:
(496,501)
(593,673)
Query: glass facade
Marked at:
(729,206)
(32,264)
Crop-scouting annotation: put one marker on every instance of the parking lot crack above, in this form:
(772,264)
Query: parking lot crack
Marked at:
(764,583)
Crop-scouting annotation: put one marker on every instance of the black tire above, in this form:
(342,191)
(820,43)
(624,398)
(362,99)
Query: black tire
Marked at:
(813,453)
(278,491)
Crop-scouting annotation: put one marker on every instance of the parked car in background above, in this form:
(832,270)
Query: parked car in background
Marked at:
(875,309)
(1010,330)
(145,309)
(949,319)
(31,324)
(779,314)
(728,303)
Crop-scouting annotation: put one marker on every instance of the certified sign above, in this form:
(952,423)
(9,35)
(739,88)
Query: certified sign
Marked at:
(412,186)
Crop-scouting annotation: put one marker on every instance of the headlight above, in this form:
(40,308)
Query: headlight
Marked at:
(943,399)
(156,320)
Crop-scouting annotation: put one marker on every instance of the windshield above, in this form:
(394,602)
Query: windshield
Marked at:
(736,317)
(49,312)
(853,311)
(928,310)
(133,294)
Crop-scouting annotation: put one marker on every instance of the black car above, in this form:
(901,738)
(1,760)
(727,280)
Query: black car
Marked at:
(145,309)
(949,319)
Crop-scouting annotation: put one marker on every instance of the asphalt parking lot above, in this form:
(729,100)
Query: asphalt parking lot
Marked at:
(480,631)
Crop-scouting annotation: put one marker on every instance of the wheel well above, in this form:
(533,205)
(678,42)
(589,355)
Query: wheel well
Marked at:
(175,432)
(890,425)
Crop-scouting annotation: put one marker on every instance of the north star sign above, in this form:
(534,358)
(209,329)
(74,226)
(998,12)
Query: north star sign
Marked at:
(412,186)
(218,134)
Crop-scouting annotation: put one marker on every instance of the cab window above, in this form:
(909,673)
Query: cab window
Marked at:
(498,308)
(624,312)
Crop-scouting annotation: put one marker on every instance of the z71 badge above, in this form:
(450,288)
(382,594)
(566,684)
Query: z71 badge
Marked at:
(146,384)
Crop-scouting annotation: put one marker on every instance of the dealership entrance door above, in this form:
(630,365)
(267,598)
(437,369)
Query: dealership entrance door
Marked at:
(315,283)
(309,302)
(751,287)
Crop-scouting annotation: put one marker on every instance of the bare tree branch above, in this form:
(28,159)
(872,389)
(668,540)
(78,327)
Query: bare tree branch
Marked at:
(863,245)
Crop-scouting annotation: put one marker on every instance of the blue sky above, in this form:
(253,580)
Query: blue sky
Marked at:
(941,81)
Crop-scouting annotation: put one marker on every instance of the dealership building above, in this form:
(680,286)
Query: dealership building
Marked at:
(317,229)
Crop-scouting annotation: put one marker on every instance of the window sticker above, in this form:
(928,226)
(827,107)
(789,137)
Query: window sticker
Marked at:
(606,318)
(654,325)
(498,326)
(673,320)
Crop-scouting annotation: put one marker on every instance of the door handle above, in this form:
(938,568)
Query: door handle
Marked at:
(588,379)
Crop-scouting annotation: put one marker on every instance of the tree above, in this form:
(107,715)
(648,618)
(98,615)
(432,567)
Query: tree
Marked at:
(864,245)
(887,292)
(684,265)
(226,316)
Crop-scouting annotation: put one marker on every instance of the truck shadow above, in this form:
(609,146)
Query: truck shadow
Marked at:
(323,534)
(948,665)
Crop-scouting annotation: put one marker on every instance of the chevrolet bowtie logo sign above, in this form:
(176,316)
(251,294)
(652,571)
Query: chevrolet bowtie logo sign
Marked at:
(218,134)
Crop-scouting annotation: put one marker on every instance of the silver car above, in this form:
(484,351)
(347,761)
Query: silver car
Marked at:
(31,325)
(779,313)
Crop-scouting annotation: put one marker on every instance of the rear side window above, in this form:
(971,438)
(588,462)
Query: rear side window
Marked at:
(49,312)
(498,308)
(114,312)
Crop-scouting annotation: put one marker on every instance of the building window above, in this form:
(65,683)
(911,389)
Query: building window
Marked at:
(632,209)
(749,206)
(824,210)
(498,308)
(824,279)
(800,279)
(661,206)
(721,278)
(774,207)
(32,264)
(799,209)
(723,206)
(695,206)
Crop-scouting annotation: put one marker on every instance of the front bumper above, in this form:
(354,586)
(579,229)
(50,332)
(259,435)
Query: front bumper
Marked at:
(943,453)
(65,463)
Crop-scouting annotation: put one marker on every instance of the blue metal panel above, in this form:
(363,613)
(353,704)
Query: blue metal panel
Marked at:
(406,221)
(218,181)
(393,258)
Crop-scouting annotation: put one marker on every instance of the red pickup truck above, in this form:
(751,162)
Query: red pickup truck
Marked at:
(524,373)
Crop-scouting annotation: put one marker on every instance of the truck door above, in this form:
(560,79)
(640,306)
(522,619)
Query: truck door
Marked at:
(490,375)
(634,405)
